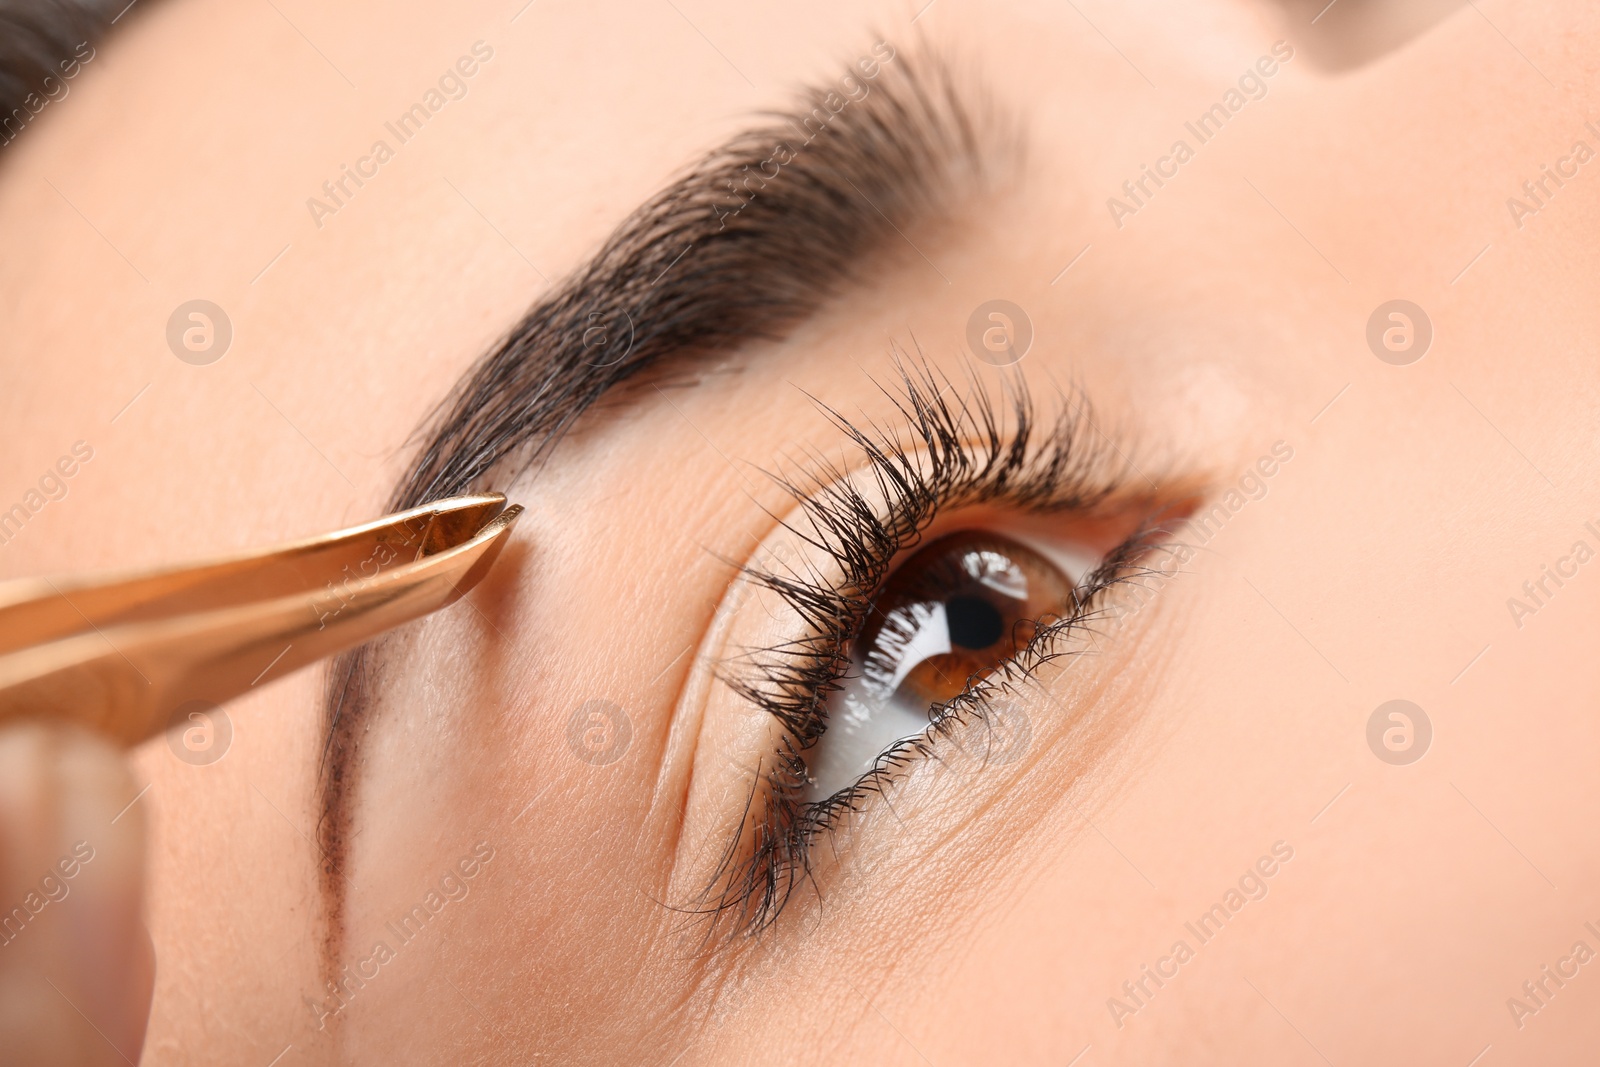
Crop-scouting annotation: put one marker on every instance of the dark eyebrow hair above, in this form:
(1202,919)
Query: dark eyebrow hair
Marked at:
(39,40)
(745,244)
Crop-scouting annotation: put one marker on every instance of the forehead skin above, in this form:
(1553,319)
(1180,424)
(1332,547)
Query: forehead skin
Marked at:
(1223,316)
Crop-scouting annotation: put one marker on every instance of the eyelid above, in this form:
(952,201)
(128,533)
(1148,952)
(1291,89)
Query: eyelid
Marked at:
(1074,560)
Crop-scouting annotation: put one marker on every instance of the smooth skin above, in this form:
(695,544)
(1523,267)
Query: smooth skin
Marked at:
(993,913)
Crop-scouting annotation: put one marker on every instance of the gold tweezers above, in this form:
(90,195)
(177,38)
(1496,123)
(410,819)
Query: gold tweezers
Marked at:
(123,654)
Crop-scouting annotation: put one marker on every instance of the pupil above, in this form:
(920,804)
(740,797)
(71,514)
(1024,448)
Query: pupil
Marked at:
(973,621)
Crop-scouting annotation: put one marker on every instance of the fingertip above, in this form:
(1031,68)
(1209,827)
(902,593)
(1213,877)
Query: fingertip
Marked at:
(75,955)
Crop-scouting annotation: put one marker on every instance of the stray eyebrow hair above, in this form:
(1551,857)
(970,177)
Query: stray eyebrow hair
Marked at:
(748,242)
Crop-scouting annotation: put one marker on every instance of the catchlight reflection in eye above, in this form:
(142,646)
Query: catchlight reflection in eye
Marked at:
(955,611)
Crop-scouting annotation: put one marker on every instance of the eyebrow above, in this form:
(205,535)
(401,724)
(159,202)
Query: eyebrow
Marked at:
(758,235)
(43,43)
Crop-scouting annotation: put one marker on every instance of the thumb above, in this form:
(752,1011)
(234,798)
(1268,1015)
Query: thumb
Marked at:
(76,965)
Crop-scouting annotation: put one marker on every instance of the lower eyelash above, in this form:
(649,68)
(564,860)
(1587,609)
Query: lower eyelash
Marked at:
(966,449)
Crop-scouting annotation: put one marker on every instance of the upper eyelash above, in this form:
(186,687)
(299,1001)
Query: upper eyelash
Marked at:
(954,448)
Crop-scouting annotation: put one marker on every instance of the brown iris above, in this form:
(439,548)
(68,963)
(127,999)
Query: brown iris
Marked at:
(955,611)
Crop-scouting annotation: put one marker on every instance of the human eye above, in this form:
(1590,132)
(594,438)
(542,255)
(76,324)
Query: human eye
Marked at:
(946,619)
(906,597)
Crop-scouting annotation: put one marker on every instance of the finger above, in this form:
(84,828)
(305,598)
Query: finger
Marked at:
(76,970)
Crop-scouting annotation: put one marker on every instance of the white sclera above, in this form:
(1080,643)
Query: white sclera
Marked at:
(866,719)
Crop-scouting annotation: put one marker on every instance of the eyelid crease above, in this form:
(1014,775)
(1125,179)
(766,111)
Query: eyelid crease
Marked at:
(683,279)
(949,449)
